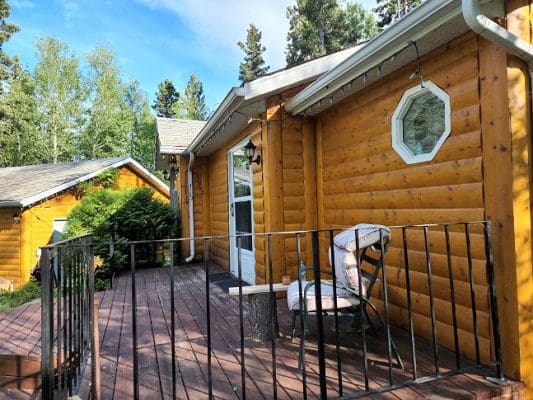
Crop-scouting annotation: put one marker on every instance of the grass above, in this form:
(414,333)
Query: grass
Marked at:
(27,292)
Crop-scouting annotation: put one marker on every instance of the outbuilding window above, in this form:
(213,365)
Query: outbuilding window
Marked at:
(421,123)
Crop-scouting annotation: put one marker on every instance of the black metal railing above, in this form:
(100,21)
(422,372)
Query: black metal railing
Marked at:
(434,263)
(67,299)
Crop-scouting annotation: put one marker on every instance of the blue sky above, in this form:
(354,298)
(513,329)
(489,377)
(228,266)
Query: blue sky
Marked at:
(157,39)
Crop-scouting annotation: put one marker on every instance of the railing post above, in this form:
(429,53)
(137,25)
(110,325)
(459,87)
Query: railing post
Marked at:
(320,322)
(47,375)
(493,300)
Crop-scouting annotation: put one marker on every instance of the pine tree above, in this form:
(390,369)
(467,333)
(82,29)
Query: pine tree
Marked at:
(20,140)
(61,95)
(192,104)
(106,134)
(142,126)
(6,30)
(253,64)
(167,97)
(319,27)
(392,10)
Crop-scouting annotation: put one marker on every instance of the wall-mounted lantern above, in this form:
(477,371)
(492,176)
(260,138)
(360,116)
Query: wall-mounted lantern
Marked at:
(251,153)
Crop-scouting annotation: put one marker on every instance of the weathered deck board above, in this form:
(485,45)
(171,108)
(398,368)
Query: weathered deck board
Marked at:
(155,373)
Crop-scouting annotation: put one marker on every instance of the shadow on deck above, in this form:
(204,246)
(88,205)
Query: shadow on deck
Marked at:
(154,350)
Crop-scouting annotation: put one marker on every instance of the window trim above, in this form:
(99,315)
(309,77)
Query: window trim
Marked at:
(397,122)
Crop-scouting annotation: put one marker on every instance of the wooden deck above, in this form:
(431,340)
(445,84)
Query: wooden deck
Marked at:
(153,321)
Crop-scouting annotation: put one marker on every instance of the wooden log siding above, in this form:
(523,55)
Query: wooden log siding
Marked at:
(10,240)
(364,180)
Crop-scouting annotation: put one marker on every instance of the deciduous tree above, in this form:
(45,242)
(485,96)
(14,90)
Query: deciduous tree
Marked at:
(61,95)
(106,134)
(253,64)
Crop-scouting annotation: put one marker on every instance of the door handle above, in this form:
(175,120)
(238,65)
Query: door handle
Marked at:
(232,209)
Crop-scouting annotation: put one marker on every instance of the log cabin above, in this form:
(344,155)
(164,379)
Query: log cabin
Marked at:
(37,199)
(428,122)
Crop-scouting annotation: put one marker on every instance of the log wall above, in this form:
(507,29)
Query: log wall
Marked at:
(10,238)
(364,180)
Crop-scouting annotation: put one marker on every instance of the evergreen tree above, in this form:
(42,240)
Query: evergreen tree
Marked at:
(192,104)
(61,95)
(20,140)
(392,10)
(106,134)
(167,97)
(6,30)
(142,126)
(253,64)
(319,27)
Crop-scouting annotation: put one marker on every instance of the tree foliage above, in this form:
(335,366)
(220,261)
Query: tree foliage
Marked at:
(106,134)
(253,64)
(319,27)
(389,11)
(60,92)
(6,30)
(142,126)
(166,98)
(20,140)
(192,104)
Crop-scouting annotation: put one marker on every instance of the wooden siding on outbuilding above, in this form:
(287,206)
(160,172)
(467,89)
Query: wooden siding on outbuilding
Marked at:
(20,239)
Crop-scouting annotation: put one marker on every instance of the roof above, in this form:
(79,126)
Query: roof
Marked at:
(249,99)
(175,135)
(24,186)
(430,25)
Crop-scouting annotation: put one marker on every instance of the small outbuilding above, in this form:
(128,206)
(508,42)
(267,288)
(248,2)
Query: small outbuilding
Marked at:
(35,201)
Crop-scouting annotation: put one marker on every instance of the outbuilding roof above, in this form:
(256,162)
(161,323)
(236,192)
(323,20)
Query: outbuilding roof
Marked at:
(175,135)
(27,185)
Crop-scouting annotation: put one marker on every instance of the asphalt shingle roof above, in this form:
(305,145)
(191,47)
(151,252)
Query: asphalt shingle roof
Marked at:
(18,184)
(175,135)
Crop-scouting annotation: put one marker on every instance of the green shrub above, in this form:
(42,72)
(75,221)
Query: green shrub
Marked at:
(27,292)
(124,216)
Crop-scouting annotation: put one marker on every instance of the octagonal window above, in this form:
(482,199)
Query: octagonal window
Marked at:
(421,123)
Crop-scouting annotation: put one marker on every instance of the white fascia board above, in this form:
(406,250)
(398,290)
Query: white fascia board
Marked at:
(422,20)
(294,76)
(136,166)
(230,103)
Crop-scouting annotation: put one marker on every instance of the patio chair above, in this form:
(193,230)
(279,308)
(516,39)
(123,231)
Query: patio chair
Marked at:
(301,293)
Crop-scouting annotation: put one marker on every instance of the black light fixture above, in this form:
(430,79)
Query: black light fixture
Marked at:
(249,152)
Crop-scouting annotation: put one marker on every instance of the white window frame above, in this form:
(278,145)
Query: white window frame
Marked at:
(397,122)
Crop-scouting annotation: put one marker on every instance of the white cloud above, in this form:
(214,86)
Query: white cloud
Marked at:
(219,25)
(71,9)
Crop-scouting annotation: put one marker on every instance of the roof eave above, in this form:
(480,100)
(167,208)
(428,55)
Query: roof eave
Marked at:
(413,26)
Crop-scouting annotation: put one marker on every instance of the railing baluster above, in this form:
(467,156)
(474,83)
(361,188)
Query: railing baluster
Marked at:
(386,302)
(431,301)
(301,361)
(46,326)
(241,318)
(472,291)
(493,299)
(452,297)
(362,313)
(64,266)
(208,315)
(134,324)
(272,318)
(335,312)
(409,301)
(173,320)
(58,316)
(320,322)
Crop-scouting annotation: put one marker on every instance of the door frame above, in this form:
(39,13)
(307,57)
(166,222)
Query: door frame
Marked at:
(247,256)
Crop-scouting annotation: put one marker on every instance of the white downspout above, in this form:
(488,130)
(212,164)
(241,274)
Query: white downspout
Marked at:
(490,30)
(191,208)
